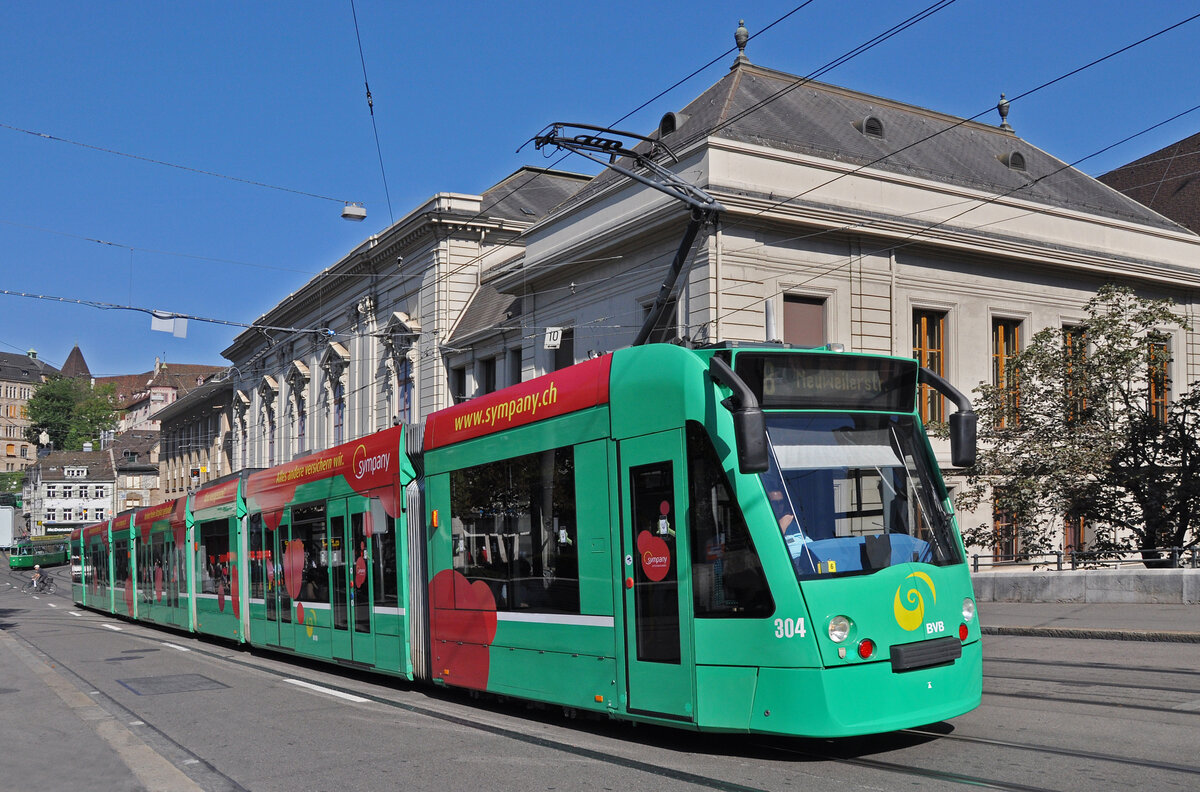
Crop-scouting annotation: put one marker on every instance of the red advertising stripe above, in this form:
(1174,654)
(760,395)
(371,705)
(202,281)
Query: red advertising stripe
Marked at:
(367,464)
(575,388)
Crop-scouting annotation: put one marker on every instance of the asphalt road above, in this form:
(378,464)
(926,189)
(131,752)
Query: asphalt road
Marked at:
(92,702)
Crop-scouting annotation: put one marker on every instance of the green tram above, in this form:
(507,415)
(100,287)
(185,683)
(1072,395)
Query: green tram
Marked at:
(744,538)
(42,551)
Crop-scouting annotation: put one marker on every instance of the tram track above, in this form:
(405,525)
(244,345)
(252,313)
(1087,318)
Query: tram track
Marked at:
(839,752)
(1056,751)
(255,662)
(1091,703)
(1091,666)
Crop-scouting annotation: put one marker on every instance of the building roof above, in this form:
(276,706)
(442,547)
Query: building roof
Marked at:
(76,366)
(23,368)
(1164,181)
(781,111)
(488,310)
(138,443)
(530,193)
(52,466)
(182,377)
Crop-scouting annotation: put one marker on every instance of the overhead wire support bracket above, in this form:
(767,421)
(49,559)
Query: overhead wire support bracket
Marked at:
(703,207)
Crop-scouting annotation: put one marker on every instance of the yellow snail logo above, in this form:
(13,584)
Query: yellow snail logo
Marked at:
(910,619)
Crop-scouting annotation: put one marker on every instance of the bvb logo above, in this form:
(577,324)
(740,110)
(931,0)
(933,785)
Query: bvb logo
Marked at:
(910,619)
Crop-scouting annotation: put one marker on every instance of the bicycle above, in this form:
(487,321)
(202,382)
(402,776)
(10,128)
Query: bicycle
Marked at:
(47,586)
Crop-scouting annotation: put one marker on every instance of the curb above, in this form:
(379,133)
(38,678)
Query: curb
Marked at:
(1099,635)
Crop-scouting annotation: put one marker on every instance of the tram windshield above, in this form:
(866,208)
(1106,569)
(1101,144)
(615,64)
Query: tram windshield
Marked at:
(855,493)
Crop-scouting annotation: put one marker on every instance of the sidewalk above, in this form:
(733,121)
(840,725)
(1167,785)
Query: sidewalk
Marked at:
(1106,621)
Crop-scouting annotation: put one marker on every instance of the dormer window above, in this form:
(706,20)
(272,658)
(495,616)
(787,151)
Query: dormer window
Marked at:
(871,126)
(1015,160)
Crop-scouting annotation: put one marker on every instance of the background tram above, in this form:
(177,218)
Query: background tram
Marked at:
(42,551)
(743,538)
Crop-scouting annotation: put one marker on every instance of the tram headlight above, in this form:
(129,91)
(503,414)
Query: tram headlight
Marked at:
(839,629)
(968,609)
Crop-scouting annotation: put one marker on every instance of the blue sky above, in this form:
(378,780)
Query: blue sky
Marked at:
(272,92)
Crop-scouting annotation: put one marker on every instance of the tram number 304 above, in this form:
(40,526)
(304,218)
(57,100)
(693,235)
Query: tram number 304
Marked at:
(789,628)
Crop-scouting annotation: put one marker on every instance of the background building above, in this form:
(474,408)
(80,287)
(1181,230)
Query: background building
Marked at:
(19,377)
(68,489)
(140,396)
(197,439)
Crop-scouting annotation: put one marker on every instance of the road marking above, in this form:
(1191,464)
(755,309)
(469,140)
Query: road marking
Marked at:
(174,646)
(51,604)
(330,691)
(137,723)
(75,613)
(111,627)
(1188,706)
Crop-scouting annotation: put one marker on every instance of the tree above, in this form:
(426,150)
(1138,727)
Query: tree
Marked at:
(70,411)
(1080,429)
(10,487)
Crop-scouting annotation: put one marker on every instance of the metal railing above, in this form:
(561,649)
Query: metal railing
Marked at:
(1168,557)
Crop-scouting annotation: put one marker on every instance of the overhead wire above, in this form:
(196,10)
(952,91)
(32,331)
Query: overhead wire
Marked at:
(858,50)
(154,161)
(371,107)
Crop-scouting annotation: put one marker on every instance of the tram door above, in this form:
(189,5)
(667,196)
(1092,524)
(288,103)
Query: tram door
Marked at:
(279,601)
(658,625)
(350,581)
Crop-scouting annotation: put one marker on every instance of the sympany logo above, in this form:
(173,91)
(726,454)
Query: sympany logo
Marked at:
(909,616)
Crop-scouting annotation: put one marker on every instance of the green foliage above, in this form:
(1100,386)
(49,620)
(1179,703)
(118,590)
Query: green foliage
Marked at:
(70,411)
(1076,435)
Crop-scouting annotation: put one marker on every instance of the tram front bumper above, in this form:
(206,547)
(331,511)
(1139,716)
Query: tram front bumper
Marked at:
(865,698)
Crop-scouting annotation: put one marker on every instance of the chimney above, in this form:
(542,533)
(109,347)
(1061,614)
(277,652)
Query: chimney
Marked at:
(32,354)
(87,447)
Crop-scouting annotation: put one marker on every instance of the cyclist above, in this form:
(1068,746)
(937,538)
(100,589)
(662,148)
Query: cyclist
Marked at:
(39,577)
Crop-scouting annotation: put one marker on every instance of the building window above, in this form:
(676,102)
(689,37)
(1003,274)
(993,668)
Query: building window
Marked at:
(100,514)
(803,320)
(11,449)
(1074,339)
(1006,342)
(339,412)
(1158,376)
(270,438)
(68,515)
(404,389)
(664,332)
(51,491)
(51,515)
(1005,530)
(458,384)
(68,492)
(514,366)
(1074,533)
(83,491)
(487,375)
(929,334)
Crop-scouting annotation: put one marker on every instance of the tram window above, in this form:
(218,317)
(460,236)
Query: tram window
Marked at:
(383,553)
(727,575)
(308,528)
(514,528)
(120,561)
(212,557)
(260,557)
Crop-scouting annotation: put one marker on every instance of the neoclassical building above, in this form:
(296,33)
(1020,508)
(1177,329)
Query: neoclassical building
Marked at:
(848,218)
(363,345)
